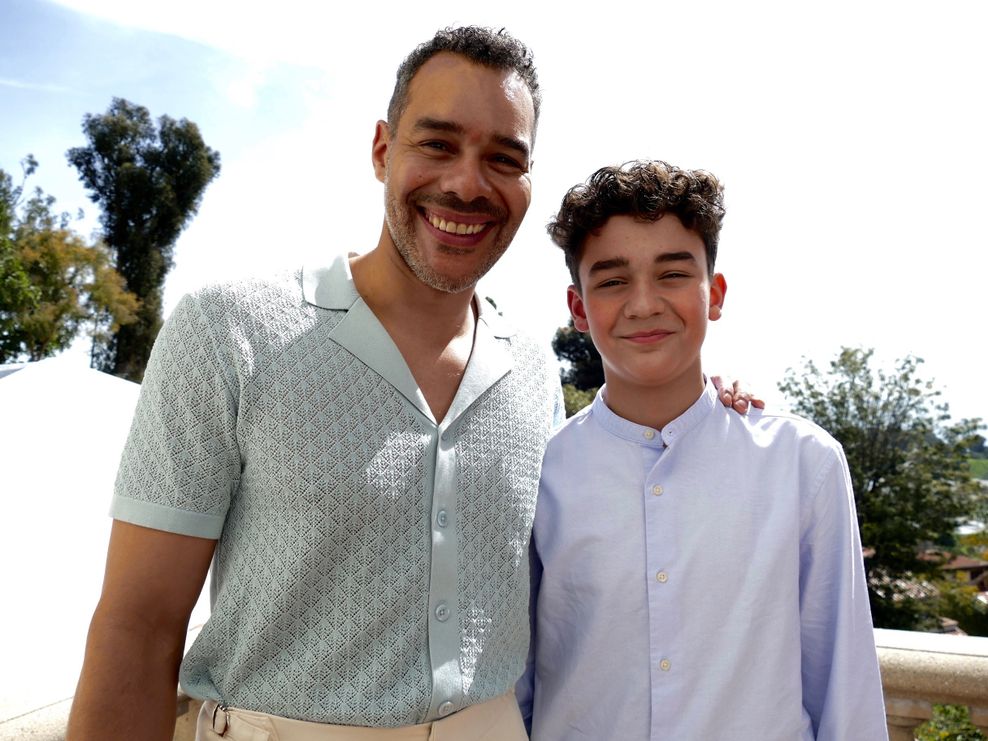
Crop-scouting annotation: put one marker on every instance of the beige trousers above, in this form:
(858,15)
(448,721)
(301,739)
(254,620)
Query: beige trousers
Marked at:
(494,720)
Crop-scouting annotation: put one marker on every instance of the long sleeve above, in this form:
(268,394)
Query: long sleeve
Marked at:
(842,688)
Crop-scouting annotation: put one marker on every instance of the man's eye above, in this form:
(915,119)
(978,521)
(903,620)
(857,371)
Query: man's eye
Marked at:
(674,275)
(610,283)
(503,159)
(437,145)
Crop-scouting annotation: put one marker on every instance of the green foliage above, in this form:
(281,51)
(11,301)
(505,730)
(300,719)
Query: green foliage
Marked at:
(958,601)
(949,723)
(51,282)
(148,181)
(908,464)
(16,293)
(575,399)
(979,468)
(585,369)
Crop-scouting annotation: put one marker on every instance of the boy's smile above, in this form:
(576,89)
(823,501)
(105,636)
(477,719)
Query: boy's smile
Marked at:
(646,298)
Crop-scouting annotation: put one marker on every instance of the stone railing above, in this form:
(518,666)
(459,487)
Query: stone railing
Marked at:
(918,671)
(923,669)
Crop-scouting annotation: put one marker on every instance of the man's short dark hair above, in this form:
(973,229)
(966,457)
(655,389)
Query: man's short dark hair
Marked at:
(646,190)
(484,46)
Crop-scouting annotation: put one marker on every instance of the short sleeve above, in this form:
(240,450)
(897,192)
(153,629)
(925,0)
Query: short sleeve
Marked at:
(181,462)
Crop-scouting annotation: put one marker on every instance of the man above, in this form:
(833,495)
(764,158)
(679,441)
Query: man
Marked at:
(358,448)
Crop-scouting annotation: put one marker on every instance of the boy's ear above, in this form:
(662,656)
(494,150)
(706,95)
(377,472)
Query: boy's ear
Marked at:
(379,149)
(577,309)
(718,289)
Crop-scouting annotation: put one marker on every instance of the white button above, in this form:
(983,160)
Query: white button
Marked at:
(442,612)
(441,518)
(662,577)
(665,665)
(649,434)
(446,708)
(657,490)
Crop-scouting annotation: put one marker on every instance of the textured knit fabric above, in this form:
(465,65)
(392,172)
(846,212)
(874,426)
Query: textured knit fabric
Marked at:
(372,564)
(702,582)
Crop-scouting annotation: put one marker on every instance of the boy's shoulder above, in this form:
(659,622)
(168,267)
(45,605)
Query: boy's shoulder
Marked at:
(764,424)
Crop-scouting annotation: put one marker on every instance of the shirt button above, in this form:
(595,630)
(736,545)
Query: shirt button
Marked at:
(649,434)
(657,490)
(662,577)
(665,665)
(442,612)
(441,518)
(446,708)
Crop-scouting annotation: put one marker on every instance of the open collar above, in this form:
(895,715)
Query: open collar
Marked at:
(362,334)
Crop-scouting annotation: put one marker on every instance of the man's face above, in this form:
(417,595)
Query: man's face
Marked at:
(456,171)
(646,299)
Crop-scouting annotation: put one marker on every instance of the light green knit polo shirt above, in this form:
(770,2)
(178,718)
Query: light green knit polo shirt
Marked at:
(372,564)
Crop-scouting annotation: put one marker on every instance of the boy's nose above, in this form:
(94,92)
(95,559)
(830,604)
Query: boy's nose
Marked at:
(644,301)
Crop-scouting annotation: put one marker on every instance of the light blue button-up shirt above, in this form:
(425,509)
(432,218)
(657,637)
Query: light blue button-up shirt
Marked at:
(700,582)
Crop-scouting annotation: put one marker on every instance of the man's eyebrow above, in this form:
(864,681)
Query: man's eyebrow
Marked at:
(516,144)
(451,127)
(437,124)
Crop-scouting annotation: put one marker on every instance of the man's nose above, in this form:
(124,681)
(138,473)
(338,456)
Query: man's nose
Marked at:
(467,179)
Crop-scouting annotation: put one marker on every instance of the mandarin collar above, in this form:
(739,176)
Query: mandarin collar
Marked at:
(651,437)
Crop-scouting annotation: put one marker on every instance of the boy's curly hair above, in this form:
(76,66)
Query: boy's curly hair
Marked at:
(646,190)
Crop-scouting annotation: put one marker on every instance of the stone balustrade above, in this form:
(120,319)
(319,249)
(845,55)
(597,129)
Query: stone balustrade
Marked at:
(923,669)
(918,671)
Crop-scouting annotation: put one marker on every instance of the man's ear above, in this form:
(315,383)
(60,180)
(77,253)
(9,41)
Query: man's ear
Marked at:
(379,150)
(718,289)
(577,309)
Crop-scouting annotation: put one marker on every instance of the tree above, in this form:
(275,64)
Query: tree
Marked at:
(149,182)
(16,295)
(584,371)
(908,464)
(51,282)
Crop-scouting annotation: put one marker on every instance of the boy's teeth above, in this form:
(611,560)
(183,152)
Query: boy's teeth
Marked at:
(451,227)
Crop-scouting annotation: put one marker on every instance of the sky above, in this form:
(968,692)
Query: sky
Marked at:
(849,135)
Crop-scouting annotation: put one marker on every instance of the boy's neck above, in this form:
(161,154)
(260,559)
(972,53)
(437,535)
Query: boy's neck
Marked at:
(654,406)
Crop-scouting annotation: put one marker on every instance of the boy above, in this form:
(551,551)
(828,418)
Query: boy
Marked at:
(681,594)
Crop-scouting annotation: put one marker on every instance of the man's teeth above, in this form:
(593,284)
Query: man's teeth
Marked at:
(451,227)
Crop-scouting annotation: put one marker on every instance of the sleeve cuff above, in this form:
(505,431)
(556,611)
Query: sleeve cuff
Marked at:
(155,516)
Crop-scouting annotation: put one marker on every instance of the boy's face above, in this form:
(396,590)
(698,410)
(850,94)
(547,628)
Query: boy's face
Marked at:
(646,299)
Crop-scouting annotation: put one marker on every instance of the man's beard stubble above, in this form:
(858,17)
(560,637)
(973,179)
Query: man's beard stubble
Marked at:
(400,221)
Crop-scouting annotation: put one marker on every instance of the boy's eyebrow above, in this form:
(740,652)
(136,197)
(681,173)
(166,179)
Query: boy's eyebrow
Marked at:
(622,262)
(451,127)
(614,262)
(676,257)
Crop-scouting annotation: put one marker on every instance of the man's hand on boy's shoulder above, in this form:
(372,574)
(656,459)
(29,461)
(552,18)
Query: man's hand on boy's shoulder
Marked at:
(734,394)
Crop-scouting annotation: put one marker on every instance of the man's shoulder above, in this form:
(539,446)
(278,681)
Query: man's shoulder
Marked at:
(282,288)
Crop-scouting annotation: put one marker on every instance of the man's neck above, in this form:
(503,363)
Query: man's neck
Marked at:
(400,300)
(433,330)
